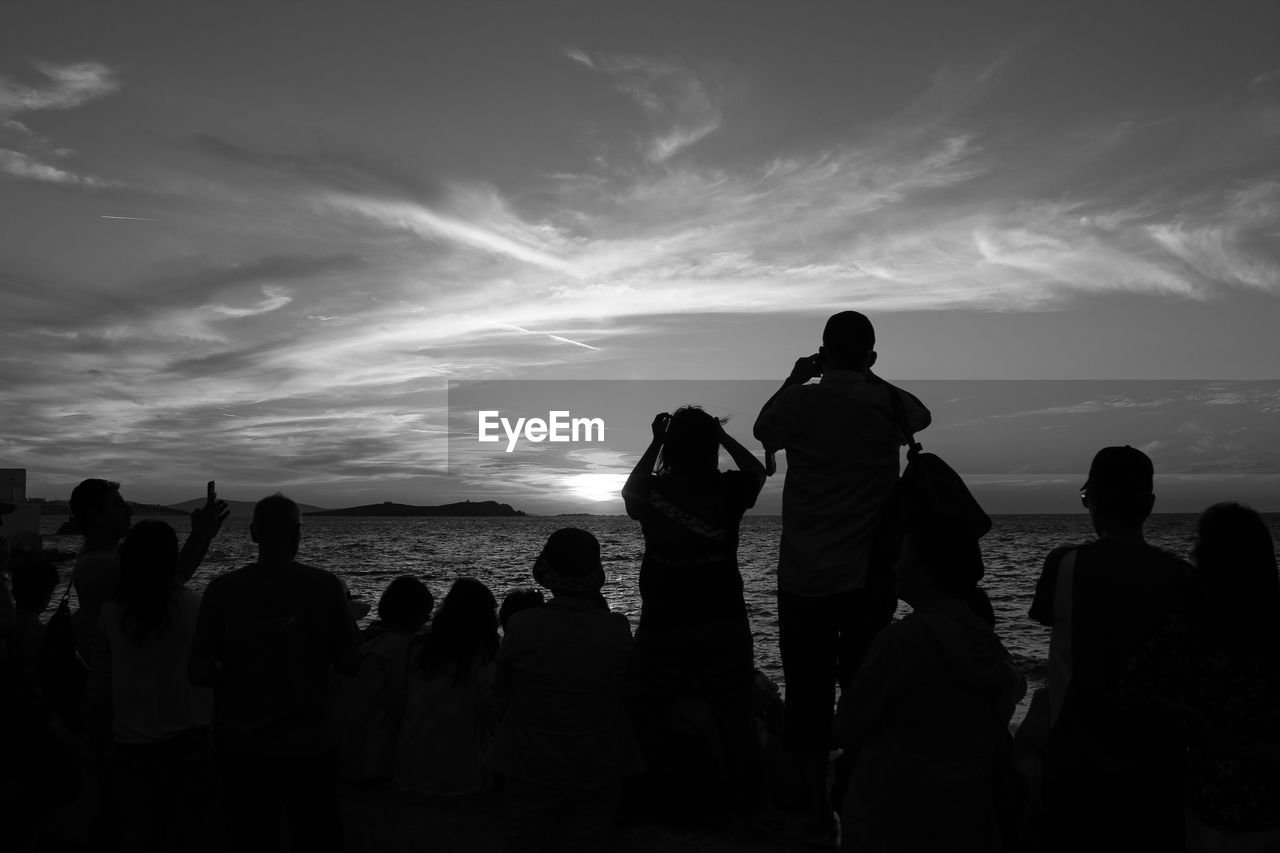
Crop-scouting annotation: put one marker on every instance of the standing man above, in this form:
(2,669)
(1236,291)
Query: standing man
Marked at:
(267,638)
(842,441)
(1112,778)
(104,517)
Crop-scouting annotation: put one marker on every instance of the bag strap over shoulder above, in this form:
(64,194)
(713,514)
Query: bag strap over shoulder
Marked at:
(1060,636)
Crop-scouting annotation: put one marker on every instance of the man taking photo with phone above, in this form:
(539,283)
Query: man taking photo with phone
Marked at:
(842,441)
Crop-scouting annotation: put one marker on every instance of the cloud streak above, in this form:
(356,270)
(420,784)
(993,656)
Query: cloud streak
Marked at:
(28,156)
(678,102)
(306,315)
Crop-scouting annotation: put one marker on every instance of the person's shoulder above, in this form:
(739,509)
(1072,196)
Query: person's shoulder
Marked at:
(230,581)
(1130,553)
(1169,562)
(1054,558)
(529,619)
(315,575)
(794,395)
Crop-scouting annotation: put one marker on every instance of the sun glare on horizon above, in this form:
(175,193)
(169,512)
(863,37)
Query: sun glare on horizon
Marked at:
(596,487)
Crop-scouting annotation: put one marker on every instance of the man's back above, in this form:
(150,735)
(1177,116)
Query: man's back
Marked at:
(563,667)
(842,442)
(1118,595)
(273,634)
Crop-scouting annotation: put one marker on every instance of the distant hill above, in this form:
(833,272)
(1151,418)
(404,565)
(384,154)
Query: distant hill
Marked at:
(64,508)
(239,509)
(390,509)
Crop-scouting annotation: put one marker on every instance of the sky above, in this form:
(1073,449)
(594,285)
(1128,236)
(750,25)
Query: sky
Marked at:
(255,242)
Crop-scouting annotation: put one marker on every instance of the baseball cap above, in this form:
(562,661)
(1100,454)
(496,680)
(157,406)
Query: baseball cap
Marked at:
(1120,468)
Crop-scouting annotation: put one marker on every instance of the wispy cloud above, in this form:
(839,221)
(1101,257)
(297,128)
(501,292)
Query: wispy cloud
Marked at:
(30,156)
(678,102)
(1265,79)
(337,290)
(67,86)
(19,165)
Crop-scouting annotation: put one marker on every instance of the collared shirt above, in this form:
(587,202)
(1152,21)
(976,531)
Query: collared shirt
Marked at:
(842,444)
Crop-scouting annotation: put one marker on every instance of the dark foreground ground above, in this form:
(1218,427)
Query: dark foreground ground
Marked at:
(389,822)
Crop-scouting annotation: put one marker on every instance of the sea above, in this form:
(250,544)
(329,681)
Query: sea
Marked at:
(367,553)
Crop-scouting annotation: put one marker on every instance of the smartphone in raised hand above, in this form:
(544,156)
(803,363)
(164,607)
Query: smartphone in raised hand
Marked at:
(211,493)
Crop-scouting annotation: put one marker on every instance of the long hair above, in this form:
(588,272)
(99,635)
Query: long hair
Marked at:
(148,578)
(1237,581)
(691,447)
(405,604)
(465,627)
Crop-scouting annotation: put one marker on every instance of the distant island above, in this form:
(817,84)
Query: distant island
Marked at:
(64,508)
(390,509)
(239,509)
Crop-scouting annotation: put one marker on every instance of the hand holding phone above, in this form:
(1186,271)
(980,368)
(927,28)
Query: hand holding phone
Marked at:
(207,520)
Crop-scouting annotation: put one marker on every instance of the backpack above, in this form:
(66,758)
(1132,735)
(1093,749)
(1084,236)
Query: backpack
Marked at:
(929,488)
(62,668)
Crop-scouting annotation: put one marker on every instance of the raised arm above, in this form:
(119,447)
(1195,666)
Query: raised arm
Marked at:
(804,369)
(743,458)
(206,521)
(765,429)
(634,491)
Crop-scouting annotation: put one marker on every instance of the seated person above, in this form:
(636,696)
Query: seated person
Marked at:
(370,705)
(927,713)
(448,717)
(564,743)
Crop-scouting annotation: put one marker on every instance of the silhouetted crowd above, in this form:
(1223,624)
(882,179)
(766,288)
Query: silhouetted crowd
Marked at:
(155,718)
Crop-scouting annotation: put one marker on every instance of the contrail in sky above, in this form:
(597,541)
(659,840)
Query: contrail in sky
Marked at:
(133,218)
(516,328)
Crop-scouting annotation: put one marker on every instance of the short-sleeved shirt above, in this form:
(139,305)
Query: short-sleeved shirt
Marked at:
(273,634)
(842,442)
(689,573)
(1121,594)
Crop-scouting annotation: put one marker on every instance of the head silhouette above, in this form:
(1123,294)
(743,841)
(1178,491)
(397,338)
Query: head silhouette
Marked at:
(848,342)
(1119,490)
(570,563)
(99,509)
(1235,561)
(691,446)
(276,528)
(524,598)
(464,631)
(405,604)
(148,577)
